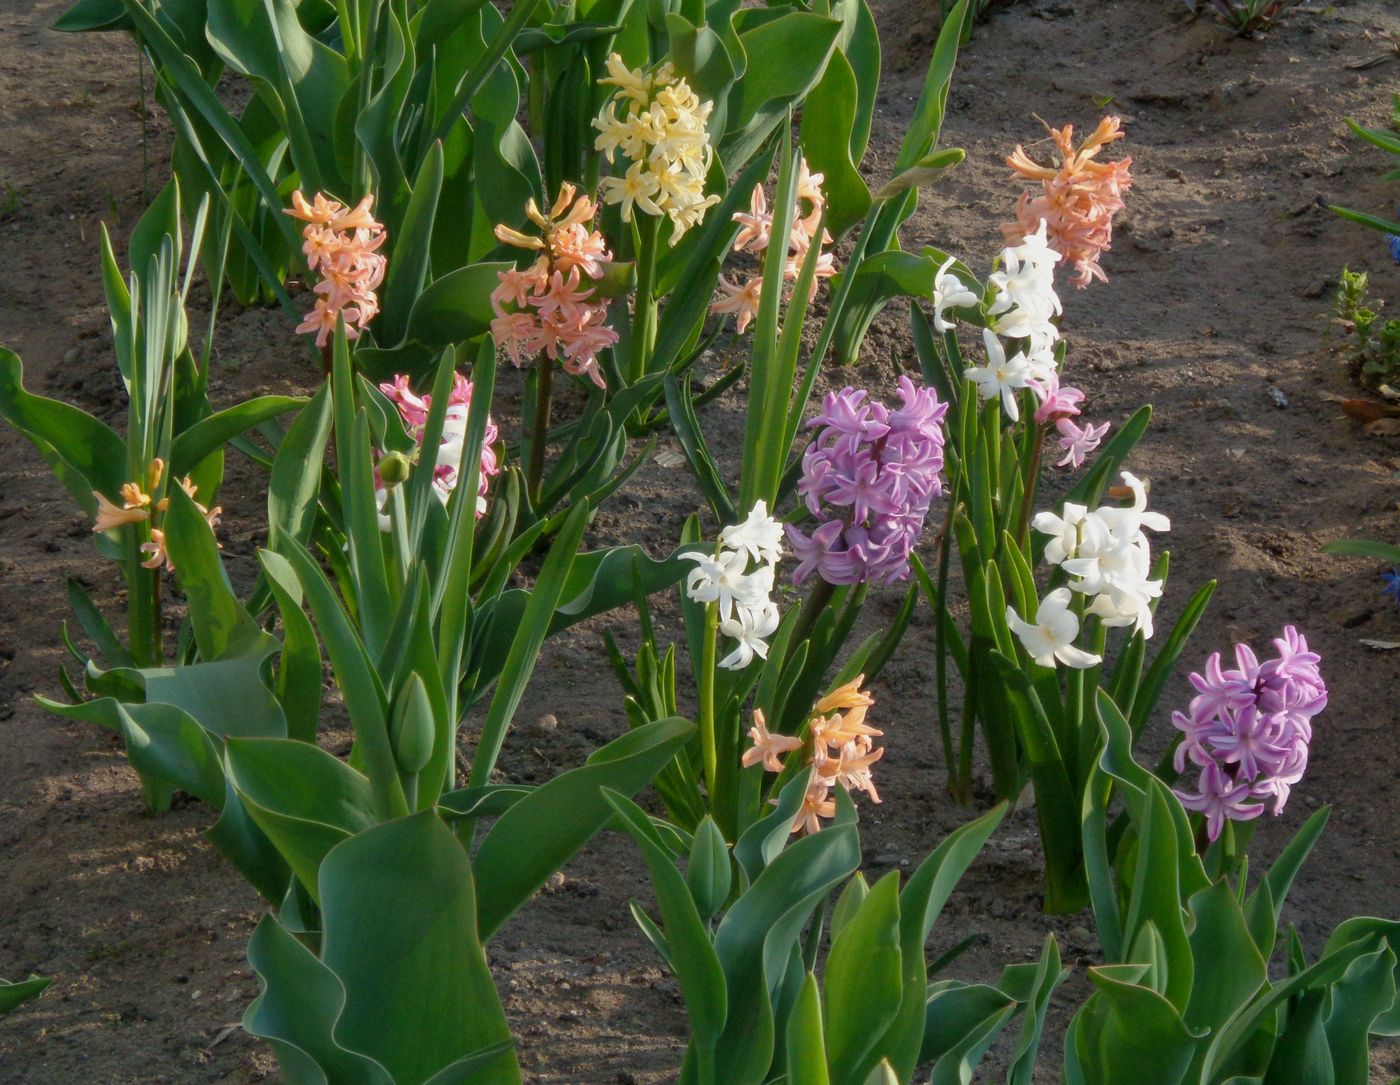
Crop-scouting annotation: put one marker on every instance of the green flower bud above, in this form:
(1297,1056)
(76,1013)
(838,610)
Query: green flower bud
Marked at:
(395,468)
(412,729)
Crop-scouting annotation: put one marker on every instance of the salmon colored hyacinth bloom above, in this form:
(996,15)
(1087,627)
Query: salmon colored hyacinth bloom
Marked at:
(137,506)
(552,306)
(341,245)
(839,746)
(741,297)
(1079,197)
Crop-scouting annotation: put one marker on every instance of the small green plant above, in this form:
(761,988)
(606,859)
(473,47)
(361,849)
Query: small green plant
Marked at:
(1373,344)
(1245,16)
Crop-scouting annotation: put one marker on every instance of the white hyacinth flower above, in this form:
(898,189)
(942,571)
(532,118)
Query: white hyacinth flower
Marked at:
(1001,375)
(950,292)
(749,627)
(759,535)
(1052,635)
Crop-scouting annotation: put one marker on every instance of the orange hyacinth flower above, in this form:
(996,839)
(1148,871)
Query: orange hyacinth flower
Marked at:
(1079,197)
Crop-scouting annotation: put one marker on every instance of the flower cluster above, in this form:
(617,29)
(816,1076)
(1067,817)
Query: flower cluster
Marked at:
(342,247)
(413,409)
(742,297)
(1108,556)
(1078,197)
(747,614)
(662,134)
(1248,729)
(137,505)
(839,746)
(548,308)
(868,477)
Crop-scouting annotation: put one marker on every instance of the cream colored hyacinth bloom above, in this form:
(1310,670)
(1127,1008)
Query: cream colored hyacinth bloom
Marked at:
(657,123)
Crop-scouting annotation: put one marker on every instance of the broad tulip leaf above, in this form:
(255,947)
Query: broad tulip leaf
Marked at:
(539,833)
(220,622)
(306,800)
(297,1011)
(400,933)
(828,120)
(806,1043)
(1366,990)
(863,983)
(84,453)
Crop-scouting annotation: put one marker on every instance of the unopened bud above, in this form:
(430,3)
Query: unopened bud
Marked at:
(394,468)
(412,728)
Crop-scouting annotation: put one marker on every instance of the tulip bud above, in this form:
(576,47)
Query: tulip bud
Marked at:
(394,468)
(412,729)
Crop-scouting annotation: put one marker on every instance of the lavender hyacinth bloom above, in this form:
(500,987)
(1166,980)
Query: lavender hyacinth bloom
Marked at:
(869,477)
(1248,730)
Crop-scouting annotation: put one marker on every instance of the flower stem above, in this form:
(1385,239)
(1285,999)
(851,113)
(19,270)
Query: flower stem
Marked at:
(707,698)
(812,609)
(544,389)
(1028,481)
(644,236)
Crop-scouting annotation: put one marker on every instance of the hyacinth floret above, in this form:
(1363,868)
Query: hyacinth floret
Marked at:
(1078,198)
(413,409)
(657,123)
(838,745)
(869,477)
(737,578)
(1248,730)
(552,307)
(341,246)
(741,296)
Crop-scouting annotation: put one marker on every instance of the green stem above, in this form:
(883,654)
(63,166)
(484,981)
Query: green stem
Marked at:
(1028,481)
(940,634)
(707,698)
(539,434)
(812,609)
(643,341)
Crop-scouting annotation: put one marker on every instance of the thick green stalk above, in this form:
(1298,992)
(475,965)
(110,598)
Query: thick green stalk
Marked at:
(707,699)
(643,341)
(539,434)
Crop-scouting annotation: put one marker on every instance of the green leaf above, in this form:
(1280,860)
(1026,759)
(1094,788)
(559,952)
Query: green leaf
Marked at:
(221,625)
(299,671)
(167,743)
(1366,990)
(686,939)
(303,798)
(204,438)
(400,933)
(806,1047)
(409,263)
(828,121)
(539,833)
(1142,1037)
(863,983)
(1364,548)
(84,453)
(15,994)
(1230,970)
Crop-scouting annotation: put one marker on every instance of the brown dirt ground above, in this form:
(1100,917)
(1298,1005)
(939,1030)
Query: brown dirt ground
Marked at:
(1220,281)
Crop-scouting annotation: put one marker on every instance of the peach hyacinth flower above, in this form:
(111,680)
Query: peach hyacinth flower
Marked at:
(551,307)
(1079,197)
(137,506)
(742,296)
(840,749)
(341,245)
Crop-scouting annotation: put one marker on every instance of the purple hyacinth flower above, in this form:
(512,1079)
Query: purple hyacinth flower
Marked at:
(1249,729)
(868,477)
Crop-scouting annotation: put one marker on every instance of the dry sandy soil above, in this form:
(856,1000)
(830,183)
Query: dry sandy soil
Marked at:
(1221,279)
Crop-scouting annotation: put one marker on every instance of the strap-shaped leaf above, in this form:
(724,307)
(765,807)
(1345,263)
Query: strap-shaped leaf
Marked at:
(190,448)
(540,832)
(863,984)
(220,622)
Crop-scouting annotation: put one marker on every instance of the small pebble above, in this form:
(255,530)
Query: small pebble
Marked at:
(1280,400)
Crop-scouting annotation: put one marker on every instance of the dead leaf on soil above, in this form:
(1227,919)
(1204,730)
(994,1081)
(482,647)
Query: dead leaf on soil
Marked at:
(1367,410)
(1381,645)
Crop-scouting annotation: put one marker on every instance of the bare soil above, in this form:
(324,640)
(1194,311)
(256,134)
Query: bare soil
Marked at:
(1221,278)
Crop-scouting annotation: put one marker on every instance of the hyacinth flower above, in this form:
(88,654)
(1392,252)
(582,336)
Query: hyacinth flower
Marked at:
(138,506)
(341,246)
(734,582)
(657,123)
(838,745)
(553,309)
(1078,197)
(413,409)
(741,297)
(868,478)
(1248,731)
